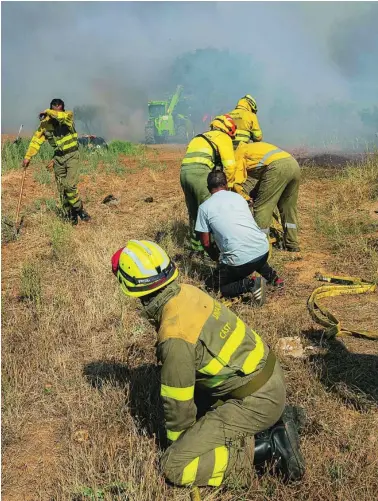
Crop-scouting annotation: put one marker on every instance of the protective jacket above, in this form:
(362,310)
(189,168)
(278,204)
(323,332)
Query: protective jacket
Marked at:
(216,149)
(201,342)
(252,160)
(58,129)
(247,124)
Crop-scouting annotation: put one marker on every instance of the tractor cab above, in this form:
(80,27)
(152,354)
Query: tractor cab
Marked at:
(168,121)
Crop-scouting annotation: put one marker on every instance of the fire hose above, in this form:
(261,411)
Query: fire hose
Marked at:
(342,286)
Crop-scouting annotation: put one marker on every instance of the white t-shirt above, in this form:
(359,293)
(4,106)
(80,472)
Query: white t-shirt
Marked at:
(227,216)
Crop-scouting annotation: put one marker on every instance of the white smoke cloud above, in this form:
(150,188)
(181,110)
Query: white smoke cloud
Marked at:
(117,54)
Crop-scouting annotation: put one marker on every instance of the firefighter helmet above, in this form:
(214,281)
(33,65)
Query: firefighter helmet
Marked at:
(225,124)
(142,267)
(248,102)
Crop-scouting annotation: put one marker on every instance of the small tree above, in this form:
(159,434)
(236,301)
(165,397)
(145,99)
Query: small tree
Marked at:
(87,114)
(214,80)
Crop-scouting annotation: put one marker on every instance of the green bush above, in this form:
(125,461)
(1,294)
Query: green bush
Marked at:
(124,147)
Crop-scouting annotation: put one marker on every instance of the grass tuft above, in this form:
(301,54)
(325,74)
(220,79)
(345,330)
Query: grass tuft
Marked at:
(31,285)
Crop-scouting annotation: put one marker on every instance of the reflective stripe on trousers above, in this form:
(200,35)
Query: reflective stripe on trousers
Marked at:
(220,465)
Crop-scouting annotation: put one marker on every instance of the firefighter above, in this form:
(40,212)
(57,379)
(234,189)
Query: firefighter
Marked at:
(203,346)
(58,128)
(245,118)
(244,248)
(278,175)
(205,152)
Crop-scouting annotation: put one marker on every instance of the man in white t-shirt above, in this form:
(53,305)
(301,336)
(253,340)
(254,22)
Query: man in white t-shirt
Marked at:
(243,247)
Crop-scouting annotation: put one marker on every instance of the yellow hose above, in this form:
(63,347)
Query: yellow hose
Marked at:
(321,315)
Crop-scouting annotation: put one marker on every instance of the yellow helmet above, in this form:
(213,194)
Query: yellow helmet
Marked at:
(142,267)
(225,124)
(248,102)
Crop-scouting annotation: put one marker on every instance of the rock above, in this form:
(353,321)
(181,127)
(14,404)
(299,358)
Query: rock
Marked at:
(149,200)
(111,200)
(291,346)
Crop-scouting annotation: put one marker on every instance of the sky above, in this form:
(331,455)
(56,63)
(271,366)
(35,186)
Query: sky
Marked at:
(118,55)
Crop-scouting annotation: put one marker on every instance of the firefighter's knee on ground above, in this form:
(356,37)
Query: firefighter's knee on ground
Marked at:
(171,467)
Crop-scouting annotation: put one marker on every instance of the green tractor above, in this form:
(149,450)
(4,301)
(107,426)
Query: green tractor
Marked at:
(168,122)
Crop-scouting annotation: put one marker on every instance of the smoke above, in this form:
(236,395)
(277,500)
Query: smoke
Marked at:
(311,66)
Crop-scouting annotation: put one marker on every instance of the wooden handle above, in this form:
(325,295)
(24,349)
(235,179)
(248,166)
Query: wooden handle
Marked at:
(20,197)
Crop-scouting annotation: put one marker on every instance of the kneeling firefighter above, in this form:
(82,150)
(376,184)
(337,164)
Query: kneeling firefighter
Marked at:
(58,128)
(204,153)
(204,347)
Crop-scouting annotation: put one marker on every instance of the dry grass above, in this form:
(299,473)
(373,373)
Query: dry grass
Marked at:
(81,415)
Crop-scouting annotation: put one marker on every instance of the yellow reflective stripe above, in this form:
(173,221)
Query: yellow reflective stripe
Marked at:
(198,160)
(173,435)
(181,394)
(229,348)
(257,135)
(241,133)
(190,472)
(68,146)
(37,140)
(65,139)
(221,462)
(254,358)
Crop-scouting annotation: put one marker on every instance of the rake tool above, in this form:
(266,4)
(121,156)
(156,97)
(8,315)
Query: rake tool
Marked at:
(17,140)
(17,225)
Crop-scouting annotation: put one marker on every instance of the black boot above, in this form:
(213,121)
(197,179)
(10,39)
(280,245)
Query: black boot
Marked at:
(83,214)
(277,449)
(72,217)
(68,215)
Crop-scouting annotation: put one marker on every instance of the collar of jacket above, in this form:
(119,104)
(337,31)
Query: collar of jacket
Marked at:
(154,306)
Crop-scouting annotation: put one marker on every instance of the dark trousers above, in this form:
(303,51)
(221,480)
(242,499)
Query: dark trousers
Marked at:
(234,280)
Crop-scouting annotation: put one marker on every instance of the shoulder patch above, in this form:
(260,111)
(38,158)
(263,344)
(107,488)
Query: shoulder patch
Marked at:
(184,315)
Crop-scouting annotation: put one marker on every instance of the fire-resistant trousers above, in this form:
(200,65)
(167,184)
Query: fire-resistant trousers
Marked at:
(235,280)
(66,170)
(193,179)
(221,442)
(278,186)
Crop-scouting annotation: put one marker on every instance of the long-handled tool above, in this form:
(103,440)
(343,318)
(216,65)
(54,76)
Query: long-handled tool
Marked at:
(17,140)
(16,224)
